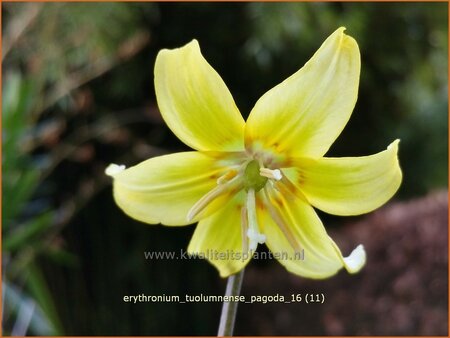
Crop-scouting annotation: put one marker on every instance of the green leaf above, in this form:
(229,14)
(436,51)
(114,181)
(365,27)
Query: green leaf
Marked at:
(39,290)
(27,232)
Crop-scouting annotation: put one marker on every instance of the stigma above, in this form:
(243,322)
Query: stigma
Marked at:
(254,237)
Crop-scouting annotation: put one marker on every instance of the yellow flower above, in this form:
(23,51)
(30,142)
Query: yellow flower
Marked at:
(257,181)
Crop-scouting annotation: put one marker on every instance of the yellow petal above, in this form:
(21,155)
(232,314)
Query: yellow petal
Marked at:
(321,257)
(195,102)
(218,238)
(350,185)
(163,189)
(304,114)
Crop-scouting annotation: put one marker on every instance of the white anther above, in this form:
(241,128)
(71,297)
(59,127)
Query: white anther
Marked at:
(272,174)
(277,174)
(113,169)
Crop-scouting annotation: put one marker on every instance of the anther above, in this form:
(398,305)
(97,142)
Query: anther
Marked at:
(272,174)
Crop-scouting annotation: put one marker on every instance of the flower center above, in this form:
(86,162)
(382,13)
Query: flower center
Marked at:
(252,177)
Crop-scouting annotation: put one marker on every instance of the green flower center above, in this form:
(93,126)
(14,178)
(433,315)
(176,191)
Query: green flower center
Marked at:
(252,177)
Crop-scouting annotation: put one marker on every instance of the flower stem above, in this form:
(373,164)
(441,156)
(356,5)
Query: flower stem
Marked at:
(229,309)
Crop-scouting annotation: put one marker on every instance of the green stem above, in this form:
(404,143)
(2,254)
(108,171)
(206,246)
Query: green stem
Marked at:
(229,309)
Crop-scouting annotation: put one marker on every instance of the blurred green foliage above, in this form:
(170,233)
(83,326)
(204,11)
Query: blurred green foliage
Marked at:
(20,179)
(46,56)
(78,94)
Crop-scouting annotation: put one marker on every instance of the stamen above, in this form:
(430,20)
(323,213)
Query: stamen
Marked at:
(219,190)
(278,219)
(244,229)
(253,233)
(286,188)
(227,176)
(113,169)
(269,173)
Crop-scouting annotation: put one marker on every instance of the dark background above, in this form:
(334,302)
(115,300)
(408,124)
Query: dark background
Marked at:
(77,94)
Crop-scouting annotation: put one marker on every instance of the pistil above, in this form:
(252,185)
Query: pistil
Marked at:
(253,233)
(252,178)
